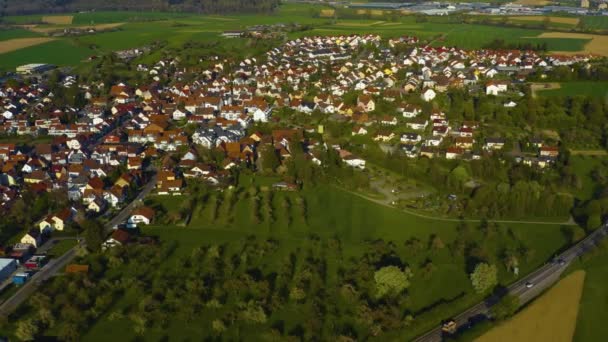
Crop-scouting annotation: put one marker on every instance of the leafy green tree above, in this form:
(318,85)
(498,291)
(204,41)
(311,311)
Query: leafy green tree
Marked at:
(435,242)
(69,332)
(484,277)
(270,159)
(593,222)
(252,312)
(218,326)
(27,329)
(391,281)
(505,308)
(93,234)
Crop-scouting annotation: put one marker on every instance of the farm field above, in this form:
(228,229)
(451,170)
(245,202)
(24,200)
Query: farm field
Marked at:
(544,22)
(532,2)
(598,44)
(21,43)
(552,317)
(560,20)
(46,29)
(16,33)
(59,52)
(595,22)
(58,19)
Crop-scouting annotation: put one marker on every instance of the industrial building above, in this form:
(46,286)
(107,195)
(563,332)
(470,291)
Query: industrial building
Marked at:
(7,267)
(34,68)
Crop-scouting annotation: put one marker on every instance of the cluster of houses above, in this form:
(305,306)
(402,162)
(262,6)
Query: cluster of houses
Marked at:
(98,153)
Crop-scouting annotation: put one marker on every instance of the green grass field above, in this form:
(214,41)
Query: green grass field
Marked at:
(595,22)
(593,309)
(23,19)
(60,52)
(589,88)
(91,18)
(582,166)
(17,33)
(330,212)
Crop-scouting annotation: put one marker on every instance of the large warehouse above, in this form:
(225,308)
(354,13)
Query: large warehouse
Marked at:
(7,267)
(35,68)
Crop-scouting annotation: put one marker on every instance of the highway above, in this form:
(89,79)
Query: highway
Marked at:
(542,279)
(57,265)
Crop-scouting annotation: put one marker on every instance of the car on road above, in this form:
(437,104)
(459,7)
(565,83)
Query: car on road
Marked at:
(529,285)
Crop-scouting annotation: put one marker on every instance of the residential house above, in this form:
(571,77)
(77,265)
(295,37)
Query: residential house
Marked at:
(494,88)
(494,143)
(119,237)
(428,94)
(366,103)
(142,215)
(454,153)
(32,237)
(418,124)
(358,130)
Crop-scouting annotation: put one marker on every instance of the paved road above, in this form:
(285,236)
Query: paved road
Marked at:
(58,264)
(542,278)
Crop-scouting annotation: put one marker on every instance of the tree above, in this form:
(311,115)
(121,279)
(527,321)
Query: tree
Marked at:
(270,159)
(27,329)
(435,242)
(252,312)
(505,308)
(484,277)
(573,233)
(593,222)
(69,332)
(391,281)
(218,326)
(93,234)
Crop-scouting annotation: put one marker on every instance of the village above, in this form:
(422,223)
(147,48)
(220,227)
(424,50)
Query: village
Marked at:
(101,154)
